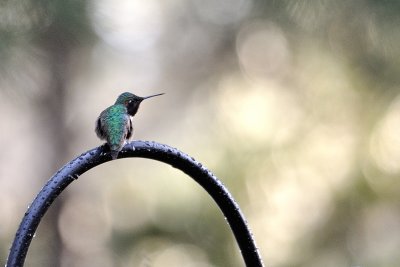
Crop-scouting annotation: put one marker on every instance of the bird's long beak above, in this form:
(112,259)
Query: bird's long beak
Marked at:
(152,96)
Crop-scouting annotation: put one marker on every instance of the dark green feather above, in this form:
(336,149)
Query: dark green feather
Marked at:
(114,125)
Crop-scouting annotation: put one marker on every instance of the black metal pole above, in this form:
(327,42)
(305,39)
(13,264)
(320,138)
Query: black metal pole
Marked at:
(144,149)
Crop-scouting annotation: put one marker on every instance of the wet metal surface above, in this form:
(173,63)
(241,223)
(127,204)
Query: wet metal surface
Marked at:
(143,149)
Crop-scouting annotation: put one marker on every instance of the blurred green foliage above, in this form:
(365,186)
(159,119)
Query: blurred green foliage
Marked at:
(293,104)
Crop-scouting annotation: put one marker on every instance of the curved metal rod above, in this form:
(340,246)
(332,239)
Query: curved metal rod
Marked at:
(144,149)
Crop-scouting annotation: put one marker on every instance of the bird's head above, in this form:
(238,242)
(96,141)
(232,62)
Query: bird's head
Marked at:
(131,101)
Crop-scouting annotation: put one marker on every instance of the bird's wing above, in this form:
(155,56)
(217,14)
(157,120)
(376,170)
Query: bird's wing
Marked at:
(99,129)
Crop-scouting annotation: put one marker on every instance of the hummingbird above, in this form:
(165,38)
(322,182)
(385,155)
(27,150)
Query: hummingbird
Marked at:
(114,124)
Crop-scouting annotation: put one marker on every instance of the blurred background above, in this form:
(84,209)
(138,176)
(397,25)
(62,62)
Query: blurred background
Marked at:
(294,105)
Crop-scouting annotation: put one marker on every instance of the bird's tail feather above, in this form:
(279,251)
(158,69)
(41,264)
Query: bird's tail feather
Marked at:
(114,154)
